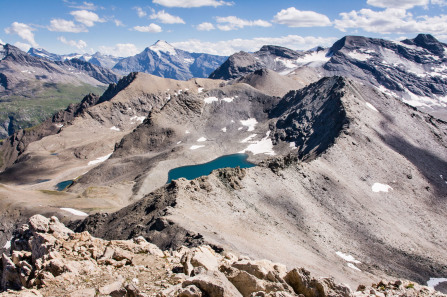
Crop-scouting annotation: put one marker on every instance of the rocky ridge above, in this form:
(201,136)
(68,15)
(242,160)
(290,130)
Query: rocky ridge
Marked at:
(47,259)
(413,69)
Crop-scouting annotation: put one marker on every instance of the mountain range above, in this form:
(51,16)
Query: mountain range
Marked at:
(413,70)
(350,180)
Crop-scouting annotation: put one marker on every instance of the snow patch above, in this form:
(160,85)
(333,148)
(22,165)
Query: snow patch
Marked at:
(209,100)
(75,211)
(99,160)
(179,142)
(240,128)
(59,125)
(263,146)
(135,119)
(224,129)
(201,139)
(229,99)
(248,138)
(194,147)
(352,266)
(187,132)
(115,128)
(200,90)
(189,60)
(8,244)
(250,123)
(377,187)
(433,282)
(347,258)
(292,145)
(370,106)
(316,58)
(359,56)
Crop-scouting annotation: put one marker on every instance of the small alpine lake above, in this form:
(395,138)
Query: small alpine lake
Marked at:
(194,171)
(63,185)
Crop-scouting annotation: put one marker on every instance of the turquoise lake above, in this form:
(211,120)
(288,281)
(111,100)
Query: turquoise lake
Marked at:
(63,185)
(194,171)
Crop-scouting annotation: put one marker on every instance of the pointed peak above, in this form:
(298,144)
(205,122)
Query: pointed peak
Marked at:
(162,46)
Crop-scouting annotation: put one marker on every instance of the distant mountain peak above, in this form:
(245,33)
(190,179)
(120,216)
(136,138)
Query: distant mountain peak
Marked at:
(162,46)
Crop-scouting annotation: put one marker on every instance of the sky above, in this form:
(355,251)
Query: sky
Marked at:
(222,27)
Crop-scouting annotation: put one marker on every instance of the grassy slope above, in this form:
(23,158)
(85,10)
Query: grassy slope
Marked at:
(30,110)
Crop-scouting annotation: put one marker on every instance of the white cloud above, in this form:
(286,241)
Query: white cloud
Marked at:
(118,23)
(141,13)
(86,17)
(191,3)
(293,17)
(120,50)
(61,25)
(84,5)
(80,44)
(152,28)
(1,42)
(23,46)
(234,23)
(391,21)
(24,31)
(205,27)
(166,18)
(439,2)
(404,4)
(229,47)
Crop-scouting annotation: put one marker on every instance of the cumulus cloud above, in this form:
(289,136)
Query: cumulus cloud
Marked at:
(404,4)
(166,18)
(391,21)
(80,44)
(233,23)
(229,47)
(61,25)
(141,13)
(205,27)
(120,50)
(191,3)
(24,31)
(152,28)
(293,17)
(23,46)
(86,17)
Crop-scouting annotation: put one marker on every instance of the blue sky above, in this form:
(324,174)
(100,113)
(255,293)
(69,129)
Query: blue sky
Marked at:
(124,28)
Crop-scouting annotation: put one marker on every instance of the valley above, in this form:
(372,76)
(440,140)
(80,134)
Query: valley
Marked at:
(345,173)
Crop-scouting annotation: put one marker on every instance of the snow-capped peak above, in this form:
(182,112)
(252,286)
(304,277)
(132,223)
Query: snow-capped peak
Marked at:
(1,42)
(162,46)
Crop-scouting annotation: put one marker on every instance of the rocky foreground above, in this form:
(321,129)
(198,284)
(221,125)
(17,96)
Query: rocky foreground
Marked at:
(48,259)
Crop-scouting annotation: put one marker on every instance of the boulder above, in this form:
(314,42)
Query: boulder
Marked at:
(213,284)
(39,223)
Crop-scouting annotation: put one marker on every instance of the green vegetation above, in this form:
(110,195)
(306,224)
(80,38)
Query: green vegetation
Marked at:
(409,286)
(41,101)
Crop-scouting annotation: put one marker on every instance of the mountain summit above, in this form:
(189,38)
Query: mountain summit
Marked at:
(164,60)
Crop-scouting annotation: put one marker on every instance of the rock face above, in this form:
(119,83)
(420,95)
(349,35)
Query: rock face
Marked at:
(413,69)
(46,258)
(162,59)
